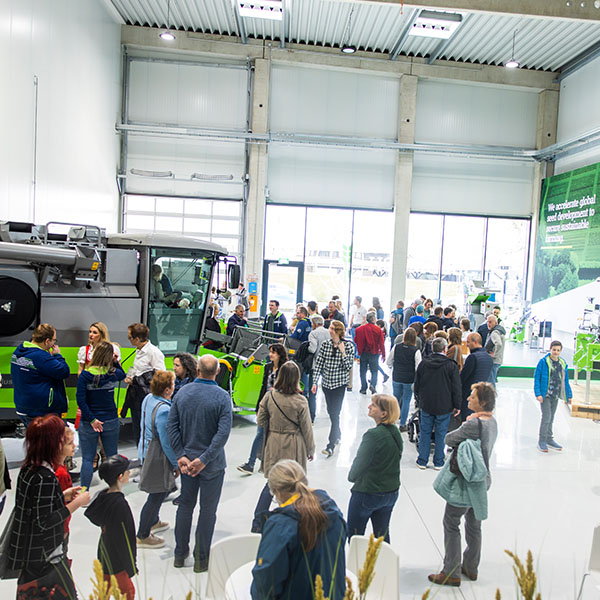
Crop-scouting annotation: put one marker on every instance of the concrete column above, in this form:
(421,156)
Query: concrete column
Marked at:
(255,208)
(547,122)
(403,186)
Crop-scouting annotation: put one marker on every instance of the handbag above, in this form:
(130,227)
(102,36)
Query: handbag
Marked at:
(6,572)
(454,466)
(55,582)
(156,475)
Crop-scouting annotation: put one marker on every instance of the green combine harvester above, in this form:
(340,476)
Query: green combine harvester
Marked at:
(74,275)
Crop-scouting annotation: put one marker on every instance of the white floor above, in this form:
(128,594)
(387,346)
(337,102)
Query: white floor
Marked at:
(546,503)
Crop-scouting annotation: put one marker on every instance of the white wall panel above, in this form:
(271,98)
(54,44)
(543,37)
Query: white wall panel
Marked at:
(182,158)
(471,114)
(185,94)
(73,48)
(326,176)
(327,101)
(578,113)
(464,185)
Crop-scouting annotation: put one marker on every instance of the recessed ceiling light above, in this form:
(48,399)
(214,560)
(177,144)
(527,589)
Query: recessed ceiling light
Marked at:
(167,36)
(431,23)
(348,49)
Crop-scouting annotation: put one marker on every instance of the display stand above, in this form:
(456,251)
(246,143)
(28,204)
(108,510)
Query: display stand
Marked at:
(586,357)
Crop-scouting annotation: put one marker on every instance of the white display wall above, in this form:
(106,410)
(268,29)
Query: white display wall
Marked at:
(73,49)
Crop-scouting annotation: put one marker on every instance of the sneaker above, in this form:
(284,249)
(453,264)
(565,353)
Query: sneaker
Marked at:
(159,526)
(443,579)
(553,445)
(436,468)
(403,428)
(177,500)
(327,451)
(152,541)
(246,469)
(422,467)
(542,447)
(363,391)
(348,388)
(385,377)
(372,389)
(201,565)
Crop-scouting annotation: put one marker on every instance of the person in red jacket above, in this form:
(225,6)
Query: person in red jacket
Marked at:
(370,345)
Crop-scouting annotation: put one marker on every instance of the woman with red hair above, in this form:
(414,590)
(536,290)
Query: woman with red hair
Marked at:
(41,508)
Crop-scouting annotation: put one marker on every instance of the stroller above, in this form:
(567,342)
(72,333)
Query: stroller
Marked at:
(414,428)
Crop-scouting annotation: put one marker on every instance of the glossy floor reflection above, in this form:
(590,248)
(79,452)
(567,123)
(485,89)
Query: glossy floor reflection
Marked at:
(548,503)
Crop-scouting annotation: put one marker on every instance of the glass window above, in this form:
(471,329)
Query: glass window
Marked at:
(139,222)
(284,232)
(179,288)
(198,207)
(170,224)
(506,261)
(327,262)
(223,227)
(226,209)
(462,258)
(169,205)
(372,249)
(424,253)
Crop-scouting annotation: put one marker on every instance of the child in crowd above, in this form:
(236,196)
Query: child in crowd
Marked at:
(551,382)
(110,511)
(64,478)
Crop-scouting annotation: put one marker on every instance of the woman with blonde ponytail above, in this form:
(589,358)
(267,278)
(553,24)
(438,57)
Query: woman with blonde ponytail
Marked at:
(303,538)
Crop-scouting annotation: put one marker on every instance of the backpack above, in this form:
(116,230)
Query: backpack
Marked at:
(303,357)
(398,320)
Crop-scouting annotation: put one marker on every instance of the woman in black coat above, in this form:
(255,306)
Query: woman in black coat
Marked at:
(41,509)
(278,356)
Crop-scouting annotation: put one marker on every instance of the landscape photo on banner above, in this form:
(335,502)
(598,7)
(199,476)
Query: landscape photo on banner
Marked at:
(568,242)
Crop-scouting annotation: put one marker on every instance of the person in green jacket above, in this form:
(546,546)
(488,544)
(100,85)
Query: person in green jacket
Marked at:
(375,471)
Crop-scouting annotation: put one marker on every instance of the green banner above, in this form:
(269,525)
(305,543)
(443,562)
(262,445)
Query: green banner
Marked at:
(568,241)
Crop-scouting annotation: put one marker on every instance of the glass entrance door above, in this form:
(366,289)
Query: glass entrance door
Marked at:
(282,282)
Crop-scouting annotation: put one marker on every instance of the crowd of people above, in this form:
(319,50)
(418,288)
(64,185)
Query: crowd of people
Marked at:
(182,421)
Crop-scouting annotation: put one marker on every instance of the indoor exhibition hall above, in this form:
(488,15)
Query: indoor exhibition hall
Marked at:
(300,299)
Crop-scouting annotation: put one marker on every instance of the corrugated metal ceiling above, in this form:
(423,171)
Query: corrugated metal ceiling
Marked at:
(484,38)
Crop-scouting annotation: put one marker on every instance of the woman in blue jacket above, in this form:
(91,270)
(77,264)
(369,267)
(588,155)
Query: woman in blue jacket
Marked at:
(37,371)
(303,538)
(162,389)
(96,399)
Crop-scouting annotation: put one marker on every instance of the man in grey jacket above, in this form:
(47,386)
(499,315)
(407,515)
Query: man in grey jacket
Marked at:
(198,427)
(494,346)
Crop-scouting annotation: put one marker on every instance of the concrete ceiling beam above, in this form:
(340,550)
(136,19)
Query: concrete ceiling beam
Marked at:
(142,39)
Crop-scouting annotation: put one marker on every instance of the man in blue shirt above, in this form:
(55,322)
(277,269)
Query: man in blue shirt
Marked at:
(303,327)
(275,321)
(237,319)
(198,426)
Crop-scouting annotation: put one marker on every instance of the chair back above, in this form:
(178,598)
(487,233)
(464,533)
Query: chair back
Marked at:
(387,567)
(595,551)
(226,556)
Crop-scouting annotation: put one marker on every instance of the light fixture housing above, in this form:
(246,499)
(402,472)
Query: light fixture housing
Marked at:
(167,36)
(347,49)
(271,10)
(512,64)
(435,24)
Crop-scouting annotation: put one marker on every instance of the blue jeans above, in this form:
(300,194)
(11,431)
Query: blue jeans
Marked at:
(377,507)
(441,423)
(403,393)
(548,407)
(494,374)
(352,334)
(312,398)
(209,485)
(256,444)
(88,441)
(149,514)
(371,362)
(262,509)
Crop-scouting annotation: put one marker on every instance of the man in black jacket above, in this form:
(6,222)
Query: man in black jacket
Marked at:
(438,395)
(448,320)
(477,367)
(436,317)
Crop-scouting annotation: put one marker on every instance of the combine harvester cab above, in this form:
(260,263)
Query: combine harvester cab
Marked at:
(74,275)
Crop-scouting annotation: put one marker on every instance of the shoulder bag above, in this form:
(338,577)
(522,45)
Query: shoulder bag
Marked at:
(156,475)
(454,467)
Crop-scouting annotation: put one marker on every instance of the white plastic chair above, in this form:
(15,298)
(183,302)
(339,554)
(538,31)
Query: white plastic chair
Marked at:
(387,567)
(226,556)
(594,564)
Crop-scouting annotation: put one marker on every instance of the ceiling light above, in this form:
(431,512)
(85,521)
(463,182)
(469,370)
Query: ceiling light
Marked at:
(513,63)
(167,35)
(261,9)
(436,24)
(348,49)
